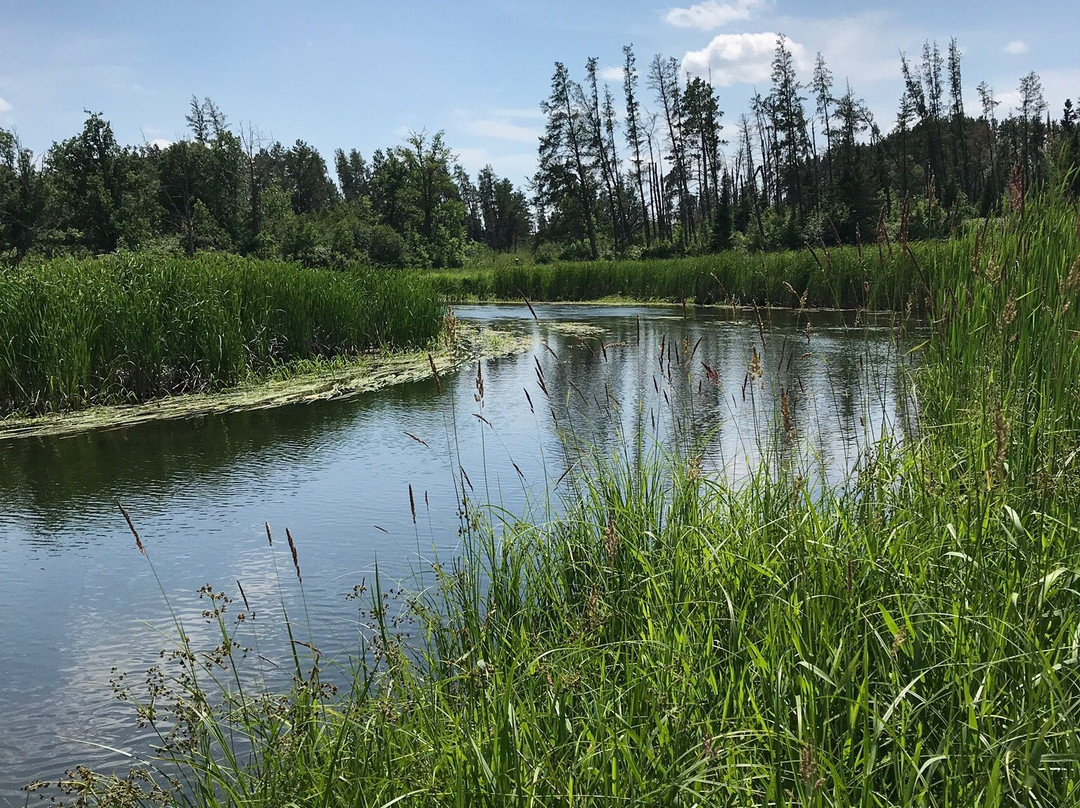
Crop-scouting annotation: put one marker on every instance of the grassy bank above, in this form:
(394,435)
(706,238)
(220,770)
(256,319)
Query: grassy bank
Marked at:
(296,383)
(910,638)
(878,277)
(134,327)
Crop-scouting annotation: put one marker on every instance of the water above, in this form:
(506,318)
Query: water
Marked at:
(78,600)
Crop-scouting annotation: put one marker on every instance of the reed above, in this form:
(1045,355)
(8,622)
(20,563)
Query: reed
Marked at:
(909,637)
(132,327)
(875,277)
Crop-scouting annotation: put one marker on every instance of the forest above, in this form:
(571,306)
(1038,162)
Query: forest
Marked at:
(649,169)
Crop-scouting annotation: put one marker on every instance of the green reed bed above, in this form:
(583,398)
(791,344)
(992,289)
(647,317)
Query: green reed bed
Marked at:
(132,327)
(910,638)
(877,277)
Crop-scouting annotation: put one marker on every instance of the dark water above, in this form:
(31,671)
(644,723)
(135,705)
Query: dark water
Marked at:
(77,599)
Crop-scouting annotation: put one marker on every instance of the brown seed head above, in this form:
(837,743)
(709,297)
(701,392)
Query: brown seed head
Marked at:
(131,527)
(807,765)
(295,560)
(611,538)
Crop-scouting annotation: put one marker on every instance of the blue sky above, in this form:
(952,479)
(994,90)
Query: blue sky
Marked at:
(363,74)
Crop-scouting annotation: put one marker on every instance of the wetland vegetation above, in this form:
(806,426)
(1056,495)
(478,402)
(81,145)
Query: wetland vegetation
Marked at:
(131,327)
(910,636)
(667,634)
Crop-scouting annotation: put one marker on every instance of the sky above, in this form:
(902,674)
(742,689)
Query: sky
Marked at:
(364,74)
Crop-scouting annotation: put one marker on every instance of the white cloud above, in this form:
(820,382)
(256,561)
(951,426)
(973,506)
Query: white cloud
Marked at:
(161,143)
(741,58)
(613,73)
(711,14)
(863,48)
(518,166)
(518,112)
(5,106)
(502,130)
(1016,48)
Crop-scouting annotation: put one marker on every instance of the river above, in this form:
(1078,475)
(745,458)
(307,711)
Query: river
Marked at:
(77,599)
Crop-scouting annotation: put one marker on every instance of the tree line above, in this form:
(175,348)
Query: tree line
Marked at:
(224,188)
(806,162)
(662,175)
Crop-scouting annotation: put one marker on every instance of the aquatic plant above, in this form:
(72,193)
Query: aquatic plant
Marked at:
(909,637)
(878,277)
(132,327)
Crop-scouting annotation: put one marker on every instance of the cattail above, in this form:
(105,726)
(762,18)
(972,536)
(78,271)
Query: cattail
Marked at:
(295,560)
(131,527)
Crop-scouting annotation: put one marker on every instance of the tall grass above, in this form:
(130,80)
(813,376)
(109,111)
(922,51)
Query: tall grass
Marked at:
(877,277)
(909,638)
(131,327)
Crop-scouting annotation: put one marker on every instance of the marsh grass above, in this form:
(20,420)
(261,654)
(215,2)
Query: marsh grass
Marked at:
(877,277)
(133,327)
(910,637)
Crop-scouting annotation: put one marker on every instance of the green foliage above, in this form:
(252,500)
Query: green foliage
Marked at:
(136,326)
(906,638)
(23,198)
(102,192)
(877,278)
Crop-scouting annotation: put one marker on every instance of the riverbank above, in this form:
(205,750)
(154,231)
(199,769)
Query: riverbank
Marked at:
(905,637)
(314,381)
(134,327)
(886,276)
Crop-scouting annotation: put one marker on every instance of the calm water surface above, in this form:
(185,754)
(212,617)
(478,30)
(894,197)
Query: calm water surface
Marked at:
(77,599)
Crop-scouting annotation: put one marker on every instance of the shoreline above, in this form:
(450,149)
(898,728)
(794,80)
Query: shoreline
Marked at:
(363,374)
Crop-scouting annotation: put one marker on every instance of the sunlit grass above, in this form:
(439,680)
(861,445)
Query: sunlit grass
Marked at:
(875,277)
(910,637)
(133,327)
